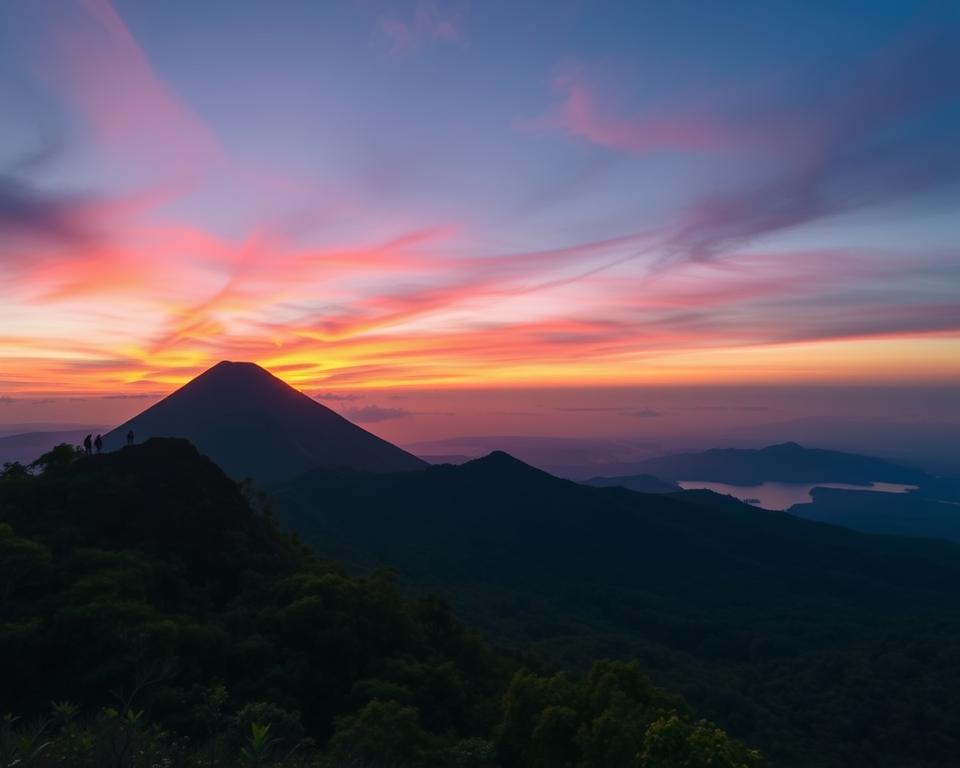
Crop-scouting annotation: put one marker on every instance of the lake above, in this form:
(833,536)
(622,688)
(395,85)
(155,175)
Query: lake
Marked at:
(782,496)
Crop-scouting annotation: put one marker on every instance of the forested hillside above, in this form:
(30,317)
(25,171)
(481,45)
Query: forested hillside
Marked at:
(151,613)
(823,646)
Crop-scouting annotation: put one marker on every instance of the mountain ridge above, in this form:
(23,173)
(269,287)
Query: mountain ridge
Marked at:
(641,483)
(712,594)
(255,425)
(787,462)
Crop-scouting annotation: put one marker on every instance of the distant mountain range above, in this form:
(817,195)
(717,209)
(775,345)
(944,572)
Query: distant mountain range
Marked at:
(785,463)
(638,483)
(575,458)
(26,447)
(255,425)
(446,458)
(933,511)
(497,519)
(759,603)
(23,428)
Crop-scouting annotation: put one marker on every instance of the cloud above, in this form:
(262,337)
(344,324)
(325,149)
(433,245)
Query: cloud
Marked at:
(430,23)
(588,409)
(337,396)
(856,146)
(636,413)
(153,295)
(7,400)
(643,413)
(27,211)
(143,396)
(369,414)
(60,244)
(100,67)
(584,113)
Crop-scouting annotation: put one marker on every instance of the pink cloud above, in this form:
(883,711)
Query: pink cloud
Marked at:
(429,23)
(821,168)
(584,113)
(155,298)
(98,66)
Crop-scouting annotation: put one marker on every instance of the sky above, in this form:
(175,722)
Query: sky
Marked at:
(473,198)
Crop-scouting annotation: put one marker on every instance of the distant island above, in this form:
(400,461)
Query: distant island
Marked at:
(786,462)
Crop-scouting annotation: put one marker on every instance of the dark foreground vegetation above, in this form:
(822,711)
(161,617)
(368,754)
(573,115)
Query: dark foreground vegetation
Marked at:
(824,647)
(151,614)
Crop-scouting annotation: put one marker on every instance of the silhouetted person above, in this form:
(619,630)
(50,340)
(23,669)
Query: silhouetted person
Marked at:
(98,443)
(130,437)
(88,444)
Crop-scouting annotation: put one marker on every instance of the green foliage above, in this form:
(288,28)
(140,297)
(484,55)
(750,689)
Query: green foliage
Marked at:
(599,721)
(172,624)
(259,747)
(24,565)
(57,459)
(14,471)
(21,744)
(262,730)
(822,646)
(472,753)
(108,740)
(382,733)
(673,743)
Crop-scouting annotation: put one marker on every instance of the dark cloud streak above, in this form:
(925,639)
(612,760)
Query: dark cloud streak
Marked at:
(370,414)
(27,210)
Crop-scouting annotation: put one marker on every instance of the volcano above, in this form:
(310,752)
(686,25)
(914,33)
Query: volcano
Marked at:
(255,425)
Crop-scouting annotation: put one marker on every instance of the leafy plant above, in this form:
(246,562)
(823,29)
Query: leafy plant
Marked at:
(21,745)
(259,746)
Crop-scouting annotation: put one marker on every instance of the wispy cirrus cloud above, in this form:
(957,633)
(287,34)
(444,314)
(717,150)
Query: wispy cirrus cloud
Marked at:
(430,22)
(585,112)
(852,148)
(635,413)
(99,67)
(423,297)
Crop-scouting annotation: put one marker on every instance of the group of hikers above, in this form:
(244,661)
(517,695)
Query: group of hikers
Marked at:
(91,443)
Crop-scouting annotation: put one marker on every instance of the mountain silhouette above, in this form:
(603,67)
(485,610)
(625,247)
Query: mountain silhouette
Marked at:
(497,519)
(786,462)
(918,513)
(255,425)
(738,608)
(638,483)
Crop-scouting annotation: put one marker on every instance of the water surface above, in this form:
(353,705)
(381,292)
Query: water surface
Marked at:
(772,495)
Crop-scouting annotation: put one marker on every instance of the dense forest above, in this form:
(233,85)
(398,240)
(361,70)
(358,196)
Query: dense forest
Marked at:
(152,613)
(820,645)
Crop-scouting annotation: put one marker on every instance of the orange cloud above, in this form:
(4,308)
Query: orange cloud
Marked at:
(121,290)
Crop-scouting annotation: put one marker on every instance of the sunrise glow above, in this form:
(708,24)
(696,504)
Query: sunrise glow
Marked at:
(414,197)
